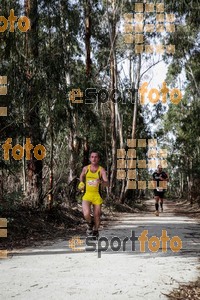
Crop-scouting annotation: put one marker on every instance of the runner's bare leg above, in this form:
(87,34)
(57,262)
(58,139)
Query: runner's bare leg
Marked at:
(97,214)
(157,202)
(86,206)
(161,203)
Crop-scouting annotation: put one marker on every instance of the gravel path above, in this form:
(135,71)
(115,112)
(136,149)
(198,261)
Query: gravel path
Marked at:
(58,272)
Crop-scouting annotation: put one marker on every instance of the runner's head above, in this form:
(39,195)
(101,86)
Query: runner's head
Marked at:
(94,157)
(159,168)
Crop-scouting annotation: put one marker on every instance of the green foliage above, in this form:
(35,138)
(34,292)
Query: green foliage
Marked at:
(60,67)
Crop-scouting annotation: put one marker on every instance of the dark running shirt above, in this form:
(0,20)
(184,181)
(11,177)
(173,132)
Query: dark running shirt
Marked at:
(156,176)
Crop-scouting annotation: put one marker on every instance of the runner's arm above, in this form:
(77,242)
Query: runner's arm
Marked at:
(105,181)
(164,179)
(155,177)
(82,176)
(81,185)
(167,178)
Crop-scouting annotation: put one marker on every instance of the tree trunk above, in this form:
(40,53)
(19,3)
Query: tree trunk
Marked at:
(34,188)
(112,107)
(86,151)
(87,12)
(134,123)
(71,113)
(1,186)
(51,179)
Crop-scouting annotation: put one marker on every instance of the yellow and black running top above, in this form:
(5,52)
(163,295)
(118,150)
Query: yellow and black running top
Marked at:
(91,180)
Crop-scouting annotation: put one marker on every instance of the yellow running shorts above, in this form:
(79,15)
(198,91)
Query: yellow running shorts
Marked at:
(94,198)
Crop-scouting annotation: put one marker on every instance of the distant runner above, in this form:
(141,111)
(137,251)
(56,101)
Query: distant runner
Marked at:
(159,176)
(90,179)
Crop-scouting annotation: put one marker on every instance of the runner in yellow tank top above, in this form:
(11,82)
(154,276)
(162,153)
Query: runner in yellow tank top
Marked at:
(92,186)
(90,179)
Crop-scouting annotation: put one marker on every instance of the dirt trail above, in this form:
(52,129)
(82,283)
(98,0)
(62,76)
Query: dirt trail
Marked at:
(57,272)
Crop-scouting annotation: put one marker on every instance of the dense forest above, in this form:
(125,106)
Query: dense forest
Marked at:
(80,45)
